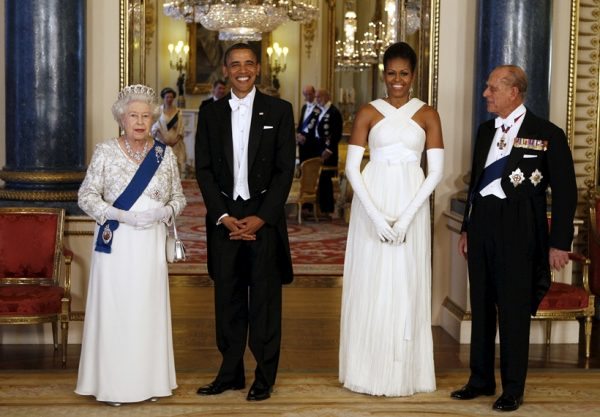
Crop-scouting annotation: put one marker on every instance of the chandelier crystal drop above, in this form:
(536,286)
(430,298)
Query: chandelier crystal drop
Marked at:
(242,20)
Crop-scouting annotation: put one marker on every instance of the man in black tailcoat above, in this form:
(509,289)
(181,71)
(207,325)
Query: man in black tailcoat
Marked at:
(305,132)
(510,248)
(328,134)
(244,165)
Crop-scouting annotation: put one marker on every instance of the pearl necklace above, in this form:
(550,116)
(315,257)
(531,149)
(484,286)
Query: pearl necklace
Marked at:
(135,155)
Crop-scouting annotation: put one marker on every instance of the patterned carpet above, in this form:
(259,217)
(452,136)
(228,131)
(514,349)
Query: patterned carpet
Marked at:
(317,247)
(550,393)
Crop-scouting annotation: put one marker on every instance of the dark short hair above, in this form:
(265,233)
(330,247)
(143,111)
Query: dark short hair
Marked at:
(219,81)
(400,50)
(166,91)
(237,46)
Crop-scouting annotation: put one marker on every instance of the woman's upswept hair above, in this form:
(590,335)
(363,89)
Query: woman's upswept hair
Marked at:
(400,50)
(131,93)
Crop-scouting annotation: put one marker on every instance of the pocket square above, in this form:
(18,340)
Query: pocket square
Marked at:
(267,127)
(528,155)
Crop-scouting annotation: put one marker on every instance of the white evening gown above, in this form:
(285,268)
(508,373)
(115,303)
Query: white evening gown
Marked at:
(127,347)
(386,346)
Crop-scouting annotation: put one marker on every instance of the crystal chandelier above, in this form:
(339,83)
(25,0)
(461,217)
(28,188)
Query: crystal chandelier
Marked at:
(378,37)
(242,20)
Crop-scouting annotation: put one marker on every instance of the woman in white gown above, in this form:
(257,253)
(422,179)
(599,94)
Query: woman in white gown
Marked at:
(127,347)
(386,345)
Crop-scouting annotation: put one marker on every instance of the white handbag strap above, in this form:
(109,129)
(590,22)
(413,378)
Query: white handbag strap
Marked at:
(175,229)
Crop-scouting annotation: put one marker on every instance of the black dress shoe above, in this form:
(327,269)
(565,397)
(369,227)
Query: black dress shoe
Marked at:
(217,387)
(259,392)
(508,402)
(468,392)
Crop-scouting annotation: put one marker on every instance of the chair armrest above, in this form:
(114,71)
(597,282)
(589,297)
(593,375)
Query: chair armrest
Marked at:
(585,263)
(68,257)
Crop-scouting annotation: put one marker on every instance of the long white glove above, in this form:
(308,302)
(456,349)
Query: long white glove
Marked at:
(139,219)
(435,168)
(352,170)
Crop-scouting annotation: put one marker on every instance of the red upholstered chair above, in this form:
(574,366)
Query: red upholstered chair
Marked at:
(31,250)
(569,302)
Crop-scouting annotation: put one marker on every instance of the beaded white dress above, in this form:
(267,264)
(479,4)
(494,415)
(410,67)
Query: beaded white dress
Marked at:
(386,344)
(127,347)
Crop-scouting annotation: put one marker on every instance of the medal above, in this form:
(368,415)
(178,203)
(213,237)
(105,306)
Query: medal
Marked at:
(106,234)
(516,177)
(536,177)
(502,142)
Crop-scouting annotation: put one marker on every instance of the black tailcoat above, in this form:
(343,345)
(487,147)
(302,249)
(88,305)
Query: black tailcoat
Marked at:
(508,244)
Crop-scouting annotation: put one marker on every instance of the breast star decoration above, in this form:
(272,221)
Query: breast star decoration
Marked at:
(536,177)
(516,177)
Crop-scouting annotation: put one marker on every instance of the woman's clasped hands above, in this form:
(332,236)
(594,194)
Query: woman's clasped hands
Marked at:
(139,219)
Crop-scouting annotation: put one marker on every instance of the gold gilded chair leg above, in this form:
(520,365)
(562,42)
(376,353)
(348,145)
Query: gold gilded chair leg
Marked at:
(588,335)
(64,330)
(299,213)
(548,331)
(315,212)
(55,334)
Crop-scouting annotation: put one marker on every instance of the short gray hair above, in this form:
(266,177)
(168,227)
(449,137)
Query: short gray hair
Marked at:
(516,77)
(131,93)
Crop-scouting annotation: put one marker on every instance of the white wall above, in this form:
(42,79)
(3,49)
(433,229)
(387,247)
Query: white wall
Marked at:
(455,106)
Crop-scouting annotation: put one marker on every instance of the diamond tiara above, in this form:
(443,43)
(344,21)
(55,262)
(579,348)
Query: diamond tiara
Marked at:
(136,90)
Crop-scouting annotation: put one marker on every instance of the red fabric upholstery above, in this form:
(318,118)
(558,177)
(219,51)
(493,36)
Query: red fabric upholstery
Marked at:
(562,296)
(27,245)
(30,299)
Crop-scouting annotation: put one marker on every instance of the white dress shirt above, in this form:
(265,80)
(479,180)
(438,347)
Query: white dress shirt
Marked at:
(309,109)
(241,118)
(495,153)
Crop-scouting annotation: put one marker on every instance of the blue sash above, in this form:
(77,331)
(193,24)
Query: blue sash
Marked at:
(492,172)
(306,121)
(129,196)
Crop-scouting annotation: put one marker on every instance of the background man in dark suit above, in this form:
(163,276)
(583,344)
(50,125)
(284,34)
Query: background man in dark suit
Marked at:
(328,134)
(219,88)
(244,166)
(516,158)
(305,132)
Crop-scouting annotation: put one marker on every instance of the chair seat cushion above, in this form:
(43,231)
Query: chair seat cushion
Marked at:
(30,299)
(563,296)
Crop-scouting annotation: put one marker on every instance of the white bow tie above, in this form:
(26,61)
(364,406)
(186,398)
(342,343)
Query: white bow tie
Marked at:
(503,122)
(235,103)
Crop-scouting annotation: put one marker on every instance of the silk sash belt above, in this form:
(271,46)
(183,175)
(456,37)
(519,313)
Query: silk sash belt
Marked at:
(394,154)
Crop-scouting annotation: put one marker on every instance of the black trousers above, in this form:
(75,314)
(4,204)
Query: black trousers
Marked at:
(501,245)
(247,299)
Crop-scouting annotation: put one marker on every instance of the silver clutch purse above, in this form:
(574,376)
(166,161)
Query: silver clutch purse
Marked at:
(175,247)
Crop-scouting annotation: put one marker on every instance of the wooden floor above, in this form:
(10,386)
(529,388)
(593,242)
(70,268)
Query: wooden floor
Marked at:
(310,335)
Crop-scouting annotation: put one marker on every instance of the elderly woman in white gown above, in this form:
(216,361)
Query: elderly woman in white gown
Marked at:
(132,189)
